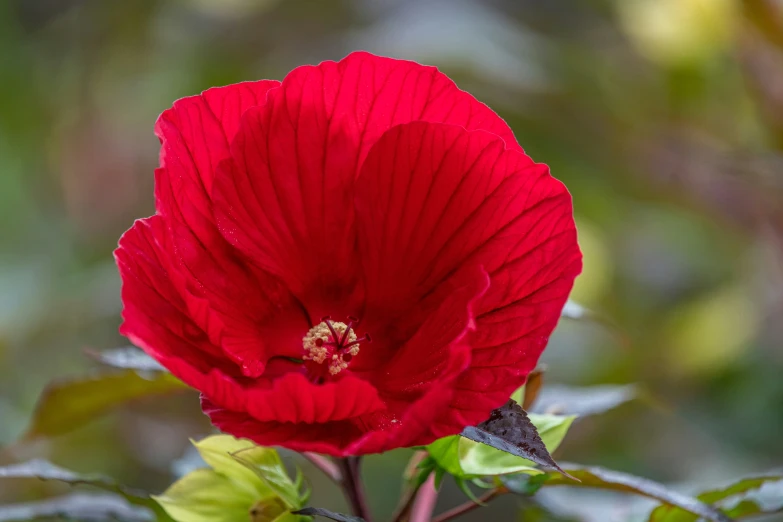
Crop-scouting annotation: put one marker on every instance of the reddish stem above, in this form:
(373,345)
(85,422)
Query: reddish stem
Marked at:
(326,465)
(469,506)
(353,488)
(402,512)
(424,504)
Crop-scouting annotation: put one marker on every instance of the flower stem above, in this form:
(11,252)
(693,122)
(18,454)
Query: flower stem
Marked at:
(469,506)
(402,512)
(353,488)
(424,503)
(326,465)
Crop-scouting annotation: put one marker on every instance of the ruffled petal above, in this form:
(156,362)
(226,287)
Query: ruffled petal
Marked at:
(432,198)
(329,438)
(419,381)
(286,200)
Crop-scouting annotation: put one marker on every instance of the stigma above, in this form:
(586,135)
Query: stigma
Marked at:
(333,343)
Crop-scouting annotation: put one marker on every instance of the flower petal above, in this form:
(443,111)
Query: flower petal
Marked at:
(155,314)
(329,438)
(195,135)
(241,308)
(432,198)
(286,199)
(420,381)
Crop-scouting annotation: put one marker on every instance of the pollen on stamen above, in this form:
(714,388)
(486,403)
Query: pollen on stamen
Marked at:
(332,342)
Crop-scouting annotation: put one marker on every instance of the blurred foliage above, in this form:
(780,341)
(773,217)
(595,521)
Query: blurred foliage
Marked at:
(664,118)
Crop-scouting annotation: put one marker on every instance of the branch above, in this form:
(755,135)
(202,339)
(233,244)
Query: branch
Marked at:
(353,488)
(470,505)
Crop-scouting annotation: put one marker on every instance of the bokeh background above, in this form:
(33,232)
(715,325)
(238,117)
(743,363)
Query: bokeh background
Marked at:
(663,117)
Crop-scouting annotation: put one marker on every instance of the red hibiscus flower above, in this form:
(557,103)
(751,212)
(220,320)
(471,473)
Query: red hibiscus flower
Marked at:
(356,259)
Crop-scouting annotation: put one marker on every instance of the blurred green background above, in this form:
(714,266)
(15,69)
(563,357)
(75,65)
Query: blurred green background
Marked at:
(663,117)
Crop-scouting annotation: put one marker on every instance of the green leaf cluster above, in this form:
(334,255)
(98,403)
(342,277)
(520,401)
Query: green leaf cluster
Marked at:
(243,482)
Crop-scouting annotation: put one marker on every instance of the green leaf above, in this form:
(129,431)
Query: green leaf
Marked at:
(44,470)
(217,451)
(600,478)
(67,404)
(207,496)
(465,458)
(244,482)
(463,486)
(445,454)
(77,506)
(128,358)
(735,500)
(266,464)
(480,459)
(565,400)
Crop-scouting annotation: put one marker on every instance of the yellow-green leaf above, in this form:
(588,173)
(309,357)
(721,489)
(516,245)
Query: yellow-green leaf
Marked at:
(67,404)
(218,452)
(206,496)
(265,463)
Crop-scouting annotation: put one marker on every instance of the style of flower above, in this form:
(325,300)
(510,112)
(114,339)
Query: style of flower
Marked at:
(358,258)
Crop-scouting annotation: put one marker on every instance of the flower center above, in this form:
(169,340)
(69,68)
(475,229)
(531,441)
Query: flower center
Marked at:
(334,343)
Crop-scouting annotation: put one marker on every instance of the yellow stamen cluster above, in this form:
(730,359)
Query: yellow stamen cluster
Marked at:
(321,335)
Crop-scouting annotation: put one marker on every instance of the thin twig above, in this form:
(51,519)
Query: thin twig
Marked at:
(424,503)
(470,505)
(326,465)
(410,489)
(353,487)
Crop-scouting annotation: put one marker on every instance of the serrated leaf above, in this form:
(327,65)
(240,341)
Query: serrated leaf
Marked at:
(600,478)
(510,429)
(565,400)
(320,512)
(734,500)
(127,358)
(77,506)
(67,404)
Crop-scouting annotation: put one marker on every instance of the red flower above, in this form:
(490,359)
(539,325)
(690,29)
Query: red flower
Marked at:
(372,191)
